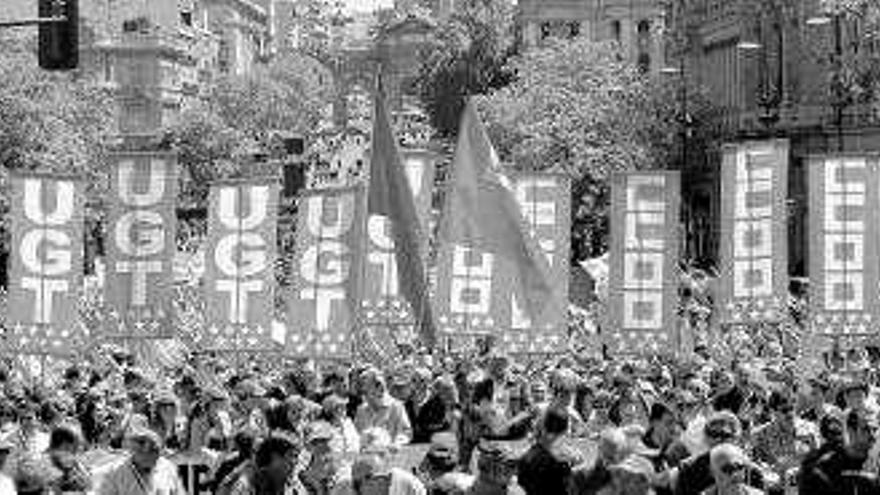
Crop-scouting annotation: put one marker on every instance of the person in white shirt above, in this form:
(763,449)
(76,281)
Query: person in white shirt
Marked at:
(380,410)
(145,472)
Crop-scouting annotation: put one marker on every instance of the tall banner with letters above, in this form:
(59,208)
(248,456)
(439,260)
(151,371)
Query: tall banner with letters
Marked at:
(322,308)
(843,245)
(46,264)
(475,296)
(545,202)
(239,265)
(141,222)
(385,312)
(643,278)
(754,236)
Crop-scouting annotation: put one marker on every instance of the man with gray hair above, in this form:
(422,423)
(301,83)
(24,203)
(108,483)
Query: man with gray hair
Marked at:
(730,465)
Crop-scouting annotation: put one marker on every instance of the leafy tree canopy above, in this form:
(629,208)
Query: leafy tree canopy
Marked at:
(579,108)
(469,56)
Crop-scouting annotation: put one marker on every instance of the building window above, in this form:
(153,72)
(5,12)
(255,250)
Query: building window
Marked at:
(224,53)
(574,29)
(615,30)
(644,63)
(108,68)
(186,18)
(545,30)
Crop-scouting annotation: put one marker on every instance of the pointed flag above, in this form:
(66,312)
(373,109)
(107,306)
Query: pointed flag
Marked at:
(391,196)
(481,210)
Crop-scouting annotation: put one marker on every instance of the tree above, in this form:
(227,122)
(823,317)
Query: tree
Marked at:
(468,57)
(214,138)
(579,108)
(48,121)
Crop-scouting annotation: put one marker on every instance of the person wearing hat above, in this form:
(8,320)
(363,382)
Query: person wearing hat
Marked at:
(146,471)
(840,469)
(441,458)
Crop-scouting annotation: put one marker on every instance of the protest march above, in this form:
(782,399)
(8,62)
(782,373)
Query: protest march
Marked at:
(396,337)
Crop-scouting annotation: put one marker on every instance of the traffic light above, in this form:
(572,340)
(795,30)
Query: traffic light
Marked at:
(59,41)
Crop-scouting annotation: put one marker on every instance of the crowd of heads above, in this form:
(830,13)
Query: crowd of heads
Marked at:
(633,426)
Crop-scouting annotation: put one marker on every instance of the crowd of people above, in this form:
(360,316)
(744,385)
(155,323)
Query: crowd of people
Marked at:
(489,424)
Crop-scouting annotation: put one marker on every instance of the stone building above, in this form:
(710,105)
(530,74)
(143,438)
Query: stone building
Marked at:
(636,24)
(162,55)
(770,68)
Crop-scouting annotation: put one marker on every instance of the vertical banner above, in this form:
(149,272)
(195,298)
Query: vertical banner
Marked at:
(545,202)
(386,317)
(754,232)
(239,265)
(321,312)
(843,245)
(475,293)
(382,304)
(141,223)
(643,295)
(46,264)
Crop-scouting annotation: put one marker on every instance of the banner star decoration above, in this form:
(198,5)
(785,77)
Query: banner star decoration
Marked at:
(757,310)
(852,323)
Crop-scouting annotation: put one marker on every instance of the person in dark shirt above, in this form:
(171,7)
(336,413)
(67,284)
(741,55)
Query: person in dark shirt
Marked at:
(664,430)
(837,468)
(546,467)
(440,412)
(591,479)
(694,475)
(728,395)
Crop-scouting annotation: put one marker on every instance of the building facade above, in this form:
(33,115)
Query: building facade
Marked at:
(774,68)
(163,55)
(636,24)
